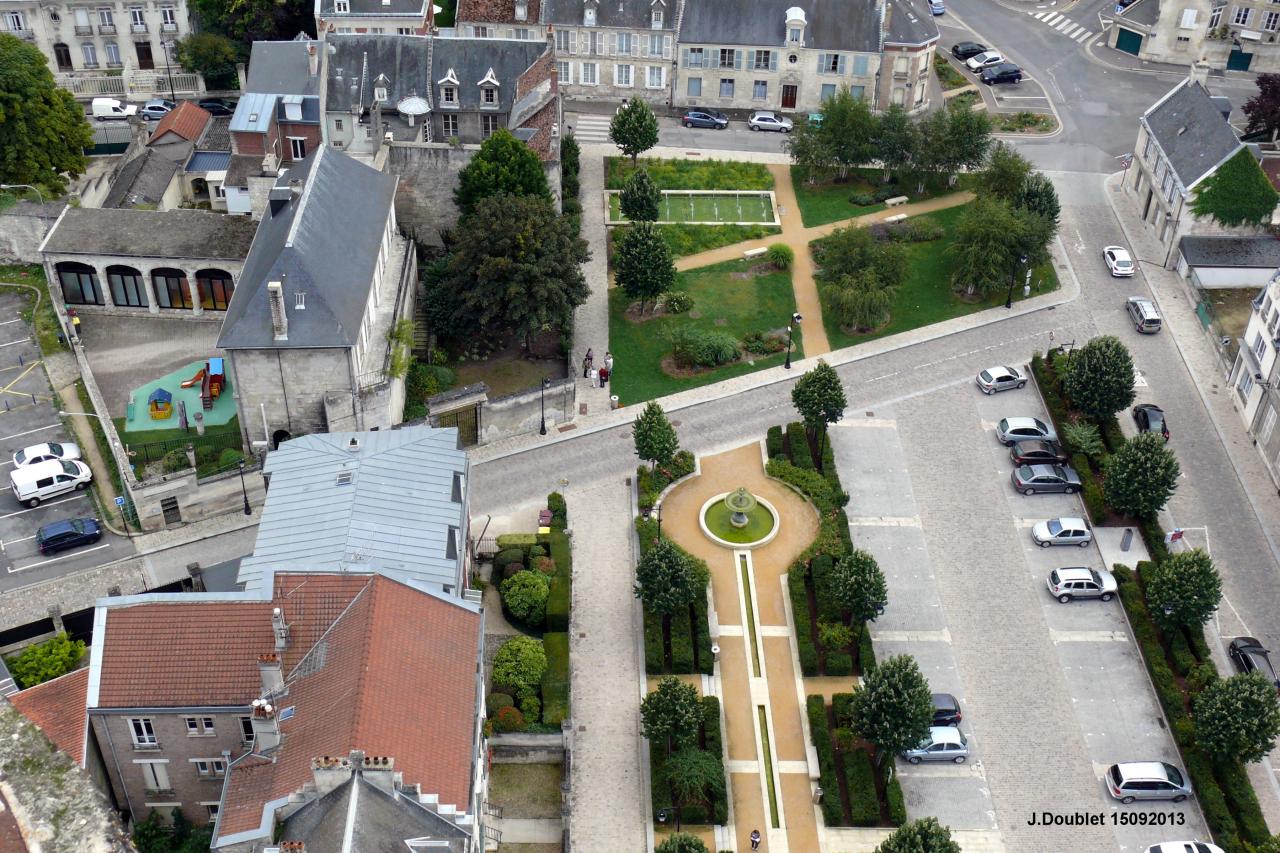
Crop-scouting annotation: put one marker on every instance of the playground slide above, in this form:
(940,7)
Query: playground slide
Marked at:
(194,380)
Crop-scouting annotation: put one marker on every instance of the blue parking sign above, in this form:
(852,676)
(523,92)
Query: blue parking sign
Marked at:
(119,501)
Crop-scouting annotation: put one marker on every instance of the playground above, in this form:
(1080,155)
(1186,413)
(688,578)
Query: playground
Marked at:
(172,401)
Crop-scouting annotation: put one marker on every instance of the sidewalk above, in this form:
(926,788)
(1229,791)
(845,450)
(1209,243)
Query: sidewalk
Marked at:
(591,319)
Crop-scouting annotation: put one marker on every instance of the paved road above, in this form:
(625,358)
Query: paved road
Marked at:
(592,128)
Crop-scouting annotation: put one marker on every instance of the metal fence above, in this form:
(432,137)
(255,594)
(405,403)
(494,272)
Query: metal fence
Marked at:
(144,454)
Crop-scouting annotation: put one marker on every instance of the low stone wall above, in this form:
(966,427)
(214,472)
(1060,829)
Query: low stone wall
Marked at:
(23,228)
(525,748)
(521,412)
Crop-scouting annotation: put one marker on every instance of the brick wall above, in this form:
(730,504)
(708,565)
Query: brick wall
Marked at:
(248,143)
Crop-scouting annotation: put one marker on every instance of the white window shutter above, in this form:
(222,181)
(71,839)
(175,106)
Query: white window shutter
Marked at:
(737,60)
(841,69)
(666,47)
(635,45)
(1188,19)
(684,58)
(773,60)
(573,42)
(613,44)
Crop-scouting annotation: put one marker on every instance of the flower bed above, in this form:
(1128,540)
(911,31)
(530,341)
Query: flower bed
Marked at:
(709,741)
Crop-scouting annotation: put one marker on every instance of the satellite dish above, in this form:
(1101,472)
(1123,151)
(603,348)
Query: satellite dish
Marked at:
(413,105)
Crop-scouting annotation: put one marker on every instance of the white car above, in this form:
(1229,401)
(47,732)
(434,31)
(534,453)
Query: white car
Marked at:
(761,120)
(1184,847)
(1119,261)
(1000,378)
(982,60)
(1062,531)
(44,452)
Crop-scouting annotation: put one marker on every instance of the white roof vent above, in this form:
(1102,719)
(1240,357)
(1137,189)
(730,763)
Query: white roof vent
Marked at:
(353,444)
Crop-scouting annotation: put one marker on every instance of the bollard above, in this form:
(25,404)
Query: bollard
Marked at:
(34,401)
(6,404)
(1127,539)
(21,363)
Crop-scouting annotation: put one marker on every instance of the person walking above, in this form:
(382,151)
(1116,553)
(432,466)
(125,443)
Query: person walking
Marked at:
(586,366)
(595,377)
(755,839)
(608,361)
(604,377)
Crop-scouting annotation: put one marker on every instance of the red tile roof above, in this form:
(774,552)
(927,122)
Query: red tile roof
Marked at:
(186,120)
(58,708)
(394,676)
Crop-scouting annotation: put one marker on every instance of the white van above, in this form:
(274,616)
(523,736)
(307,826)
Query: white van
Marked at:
(105,108)
(45,480)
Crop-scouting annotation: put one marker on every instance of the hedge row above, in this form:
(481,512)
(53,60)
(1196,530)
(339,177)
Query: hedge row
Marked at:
(561,595)
(860,778)
(820,734)
(773,442)
(798,443)
(555,680)
(559,511)
(804,624)
(1055,400)
(650,483)
(714,745)
(661,794)
(682,639)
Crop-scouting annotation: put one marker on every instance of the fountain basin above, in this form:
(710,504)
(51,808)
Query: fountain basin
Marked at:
(716,520)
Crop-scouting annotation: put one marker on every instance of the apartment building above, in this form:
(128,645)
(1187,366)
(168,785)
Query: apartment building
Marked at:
(400,17)
(1254,379)
(1240,35)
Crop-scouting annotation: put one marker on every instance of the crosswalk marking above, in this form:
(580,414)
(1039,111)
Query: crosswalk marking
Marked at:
(1063,24)
(1085,36)
(591,128)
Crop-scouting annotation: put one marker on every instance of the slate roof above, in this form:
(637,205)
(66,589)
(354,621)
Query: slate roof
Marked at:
(208,161)
(909,22)
(471,60)
(217,135)
(1145,12)
(195,234)
(632,14)
(496,12)
(187,120)
(394,516)
(143,180)
(58,708)
(1191,131)
(832,24)
(376,8)
(377,821)
(323,241)
(1258,251)
(282,68)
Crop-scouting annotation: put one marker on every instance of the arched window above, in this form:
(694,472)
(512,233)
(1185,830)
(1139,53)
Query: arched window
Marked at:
(79,284)
(127,287)
(172,289)
(215,289)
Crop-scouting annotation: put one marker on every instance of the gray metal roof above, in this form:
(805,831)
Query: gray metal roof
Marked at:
(151,234)
(283,68)
(323,241)
(376,821)
(254,112)
(376,8)
(631,14)
(831,24)
(143,180)
(1257,252)
(209,161)
(909,22)
(1191,131)
(393,517)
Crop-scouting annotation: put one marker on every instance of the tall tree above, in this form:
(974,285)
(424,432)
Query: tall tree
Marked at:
(851,249)
(43,132)
(640,197)
(694,776)
(860,301)
(849,130)
(1263,109)
(858,586)
(819,398)
(1141,476)
(654,436)
(1033,235)
(210,55)
(503,165)
(894,708)
(1004,174)
(985,252)
(1184,590)
(643,265)
(809,149)
(667,580)
(925,835)
(634,128)
(968,138)
(1099,377)
(1038,196)
(1238,718)
(897,141)
(671,713)
(1238,193)
(517,266)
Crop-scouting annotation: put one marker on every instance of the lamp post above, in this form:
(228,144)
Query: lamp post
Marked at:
(795,321)
(1013,279)
(542,404)
(168,68)
(244,491)
(657,511)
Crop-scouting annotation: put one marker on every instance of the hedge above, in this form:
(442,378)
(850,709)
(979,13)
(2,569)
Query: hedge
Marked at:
(894,799)
(866,652)
(560,598)
(820,734)
(860,777)
(799,442)
(820,568)
(509,556)
(555,680)
(692,814)
(650,483)
(773,442)
(521,541)
(559,511)
(842,707)
(715,746)
(800,612)
(1090,489)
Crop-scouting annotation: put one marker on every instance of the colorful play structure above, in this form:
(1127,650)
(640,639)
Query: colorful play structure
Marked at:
(167,401)
(212,379)
(160,405)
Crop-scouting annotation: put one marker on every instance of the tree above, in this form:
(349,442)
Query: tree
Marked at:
(848,128)
(819,398)
(986,248)
(920,836)
(503,164)
(1005,173)
(181,826)
(1238,193)
(152,835)
(671,714)
(1263,109)
(896,141)
(1183,590)
(518,266)
(808,148)
(247,21)
(667,580)
(1032,237)
(681,842)
(1099,378)
(693,775)
(894,707)
(210,55)
(858,586)
(1238,718)
(1038,196)
(952,139)
(1141,476)
(43,132)
(849,250)
(640,198)
(525,594)
(1271,845)
(45,661)
(634,128)
(643,264)
(1083,437)
(655,438)
(860,301)
(519,665)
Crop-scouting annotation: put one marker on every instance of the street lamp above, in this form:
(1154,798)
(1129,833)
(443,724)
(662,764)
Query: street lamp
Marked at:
(795,321)
(1013,279)
(542,403)
(244,491)
(168,68)
(657,511)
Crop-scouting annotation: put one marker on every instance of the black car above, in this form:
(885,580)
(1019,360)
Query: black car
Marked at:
(946,710)
(1151,418)
(705,118)
(1038,453)
(69,533)
(1248,655)
(218,106)
(1002,72)
(965,49)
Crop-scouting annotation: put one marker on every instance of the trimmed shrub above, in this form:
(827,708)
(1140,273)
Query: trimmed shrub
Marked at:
(1241,799)
(555,680)
(531,707)
(519,665)
(507,556)
(860,778)
(229,458)
(495,702)
(510,570)
(894,800)
(820,734)
(677,302)
(508,720)
(800,611)
(536,551)
(839,663)
(842,707)
(559,511)
(522,541)
(558,600)
(545,565)
(1180,653)
(1212,802)
(773,442)
(800,455)
(781,256)
(705,659)
(174,460)
(820,570)
(1200,676)
(1184,733)
(866,652)
(692,347)
(715,746)
(654,662)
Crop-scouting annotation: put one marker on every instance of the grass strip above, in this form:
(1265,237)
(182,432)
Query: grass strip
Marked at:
(751,618)
(768,765)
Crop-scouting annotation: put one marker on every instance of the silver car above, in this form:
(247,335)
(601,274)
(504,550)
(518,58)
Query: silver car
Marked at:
(1044,479)
(763,120)
(1072,582)
(1147,780)
(1062,531)
(1011,430)
(1000,378)
(945,743)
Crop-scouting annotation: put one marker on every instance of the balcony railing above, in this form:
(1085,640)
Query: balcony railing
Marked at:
(168,28)
(25,35)
(146,747)
(84,30)
(138,28)
(107,29)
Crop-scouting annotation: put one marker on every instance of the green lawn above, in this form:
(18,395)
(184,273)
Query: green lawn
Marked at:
(705,208)
(691,174)
(30,284)
(721,303)
(926,297)
(825,201)
(691,239)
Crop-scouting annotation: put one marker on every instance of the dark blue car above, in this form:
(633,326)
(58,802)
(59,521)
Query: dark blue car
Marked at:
(705,118)
(69,533)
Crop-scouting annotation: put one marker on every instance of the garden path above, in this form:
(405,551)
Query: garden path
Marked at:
(757,609)
(798,237)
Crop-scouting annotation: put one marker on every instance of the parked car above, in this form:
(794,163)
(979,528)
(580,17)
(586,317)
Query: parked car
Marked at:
(1150,418)
(218,106)
(1000,378)
(1118,261)
(112,108)
(945,743)
(1248,655)
(762,120)
(705,118)
(66,534)
(156,109)
(1068,584)
(1147,780)
(1143,313)
(963,50)
(946,710)
(1184,847)
(1011,430)
(937,7)
(34,483)
(44,452)
(1062,531)
(1045,479)
(982,60)
(1004,72)
(1035,452)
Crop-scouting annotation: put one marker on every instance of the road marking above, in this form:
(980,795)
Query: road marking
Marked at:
(1040,15)
(1023,98)
(943,636)
(1062,26)
(8,542)
(7,322)
(1088,636)
(28,432)
(34,508)
(943,771)
(58,559)
(879,423)
(1074,31)
(15,343)
(1052,18)
(1088,34)
(731,630)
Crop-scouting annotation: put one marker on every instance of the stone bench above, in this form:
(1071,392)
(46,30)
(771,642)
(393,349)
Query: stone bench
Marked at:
(892,220)
(896,200)
(754,253)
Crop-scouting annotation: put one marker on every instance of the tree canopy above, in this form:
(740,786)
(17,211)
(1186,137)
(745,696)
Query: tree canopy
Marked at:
(634,128)
(925,835)
(655,438)
(503,164)
(1099,377)
(671,713)
(1005,173)
(858,585)
(1141,476)
(894,707)
(666,578)
(681,842)
(1263,109)
(987,247)
(819,399)
(211,55)
(640,197)
(45,661)
(642,263)
(1238,718)
(1183,590)
(43,132)
(1238,193)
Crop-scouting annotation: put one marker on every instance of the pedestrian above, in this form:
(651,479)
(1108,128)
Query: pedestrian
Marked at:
(604,377)
(755,839)
(586,366)
(608,361)
(595,377)
(591,358)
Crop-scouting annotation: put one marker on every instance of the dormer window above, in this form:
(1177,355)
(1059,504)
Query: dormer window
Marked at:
(797,33)
(796,24)
(655,19)
(489,91)
(342,7)
(589,15)
(522,10)
(380,86)
(448,89)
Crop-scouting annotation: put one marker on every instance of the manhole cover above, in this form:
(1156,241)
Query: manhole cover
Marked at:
(870,414)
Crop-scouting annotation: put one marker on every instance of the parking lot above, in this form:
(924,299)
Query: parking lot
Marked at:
(28,416)
(1052,693)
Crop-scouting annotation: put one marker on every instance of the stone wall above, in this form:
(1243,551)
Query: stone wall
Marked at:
(428,174)
(525,748)
(287,388)
(197,499)
(22,230)
(521,412)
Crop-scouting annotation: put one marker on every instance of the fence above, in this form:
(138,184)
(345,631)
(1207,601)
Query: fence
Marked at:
(144,454)
(132,83)
(110,138)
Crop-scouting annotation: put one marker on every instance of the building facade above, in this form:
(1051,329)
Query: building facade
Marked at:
(606,51)
(1254,379)
(908,45)
(398,17)
(1240,35)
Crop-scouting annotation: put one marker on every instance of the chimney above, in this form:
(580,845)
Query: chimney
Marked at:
(313,59)
(279,628)
(379,771)
(266,732)
(522,10)
(329,773)
(280,326)
(353,445)
(1200,71)
(272,672)
(292,847)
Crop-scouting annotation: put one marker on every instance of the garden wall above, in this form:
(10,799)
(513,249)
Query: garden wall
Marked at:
(23,228)
(521,412)
(528,748)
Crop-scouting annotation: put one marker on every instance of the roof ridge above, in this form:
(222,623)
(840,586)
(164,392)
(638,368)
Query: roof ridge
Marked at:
(305,197)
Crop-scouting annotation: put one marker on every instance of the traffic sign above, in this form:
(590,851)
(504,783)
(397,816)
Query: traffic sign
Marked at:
(119,501)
